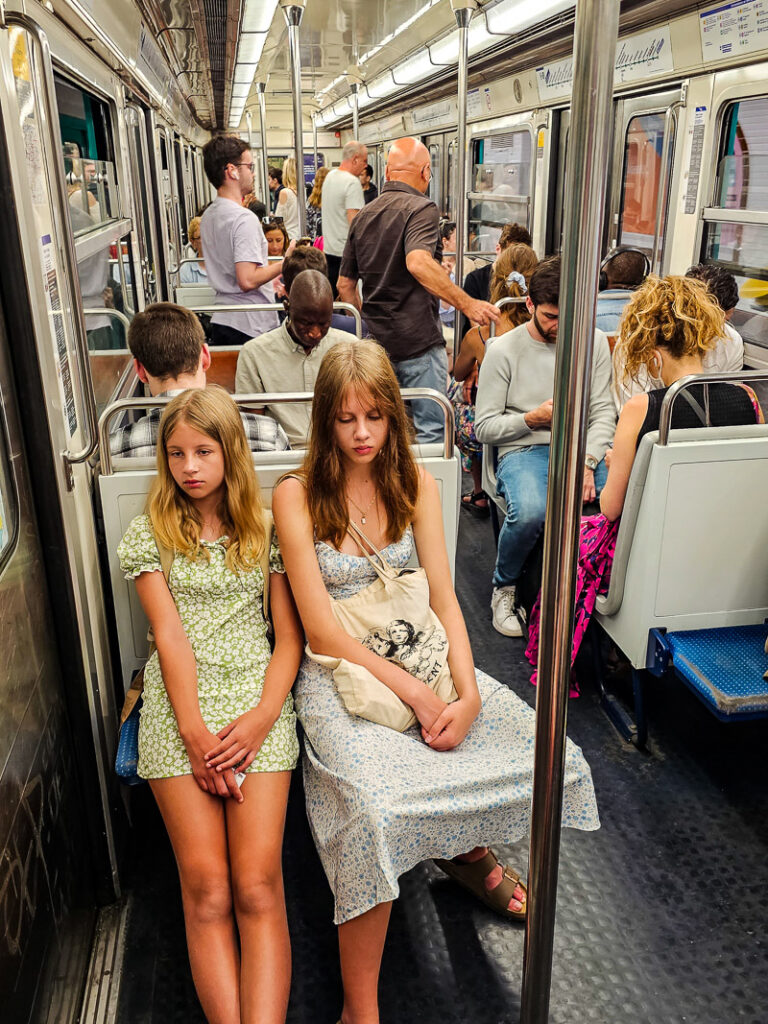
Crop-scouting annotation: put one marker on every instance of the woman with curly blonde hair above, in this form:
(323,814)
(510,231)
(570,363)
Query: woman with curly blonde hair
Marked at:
(315,204)
(668,327)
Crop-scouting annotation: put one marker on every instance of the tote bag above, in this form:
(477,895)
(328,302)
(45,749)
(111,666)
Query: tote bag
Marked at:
(391,617)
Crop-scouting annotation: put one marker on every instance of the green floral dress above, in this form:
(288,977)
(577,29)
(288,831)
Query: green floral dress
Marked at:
(222,615)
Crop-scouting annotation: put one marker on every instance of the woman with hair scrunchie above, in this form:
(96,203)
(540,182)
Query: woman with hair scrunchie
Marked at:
(509,279)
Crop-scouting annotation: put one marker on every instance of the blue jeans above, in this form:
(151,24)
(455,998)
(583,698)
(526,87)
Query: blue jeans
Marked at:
(428,370)
(521,479)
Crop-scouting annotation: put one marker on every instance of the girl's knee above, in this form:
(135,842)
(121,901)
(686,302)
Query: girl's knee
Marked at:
(258,893)
(207,894)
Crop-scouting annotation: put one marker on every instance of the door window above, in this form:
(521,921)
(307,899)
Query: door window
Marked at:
(501,187)
(643,177)
(736,227)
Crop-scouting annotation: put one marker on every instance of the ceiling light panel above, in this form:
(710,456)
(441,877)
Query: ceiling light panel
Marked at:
(250,46)
(258,15)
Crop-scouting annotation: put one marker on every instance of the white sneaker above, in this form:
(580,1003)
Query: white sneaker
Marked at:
(505,620)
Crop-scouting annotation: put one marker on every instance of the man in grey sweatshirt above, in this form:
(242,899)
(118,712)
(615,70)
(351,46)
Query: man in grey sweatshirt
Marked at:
(513,411)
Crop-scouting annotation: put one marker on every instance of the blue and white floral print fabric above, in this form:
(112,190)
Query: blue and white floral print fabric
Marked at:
(380,802)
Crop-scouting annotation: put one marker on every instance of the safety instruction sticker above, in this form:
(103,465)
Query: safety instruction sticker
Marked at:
(733,29)
(53,301)
(694,160)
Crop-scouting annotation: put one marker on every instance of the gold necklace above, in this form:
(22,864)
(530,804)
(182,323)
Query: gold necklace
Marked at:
(363,512)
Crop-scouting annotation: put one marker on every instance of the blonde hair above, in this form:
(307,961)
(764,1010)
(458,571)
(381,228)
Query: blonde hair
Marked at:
(674,313)
(316,195)
(289,172)
(194,225)
(522,259)
(175,520)
(364,368)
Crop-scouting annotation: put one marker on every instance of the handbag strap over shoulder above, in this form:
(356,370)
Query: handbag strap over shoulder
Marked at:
(379,562)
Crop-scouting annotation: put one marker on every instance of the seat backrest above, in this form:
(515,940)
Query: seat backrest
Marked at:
(194,295)
(124,493)
(692,548)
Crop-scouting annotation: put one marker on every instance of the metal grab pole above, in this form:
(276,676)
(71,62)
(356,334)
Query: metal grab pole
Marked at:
(462,10)
(314,140)
(260,87)
(355,90)
(596,33)
(294,12)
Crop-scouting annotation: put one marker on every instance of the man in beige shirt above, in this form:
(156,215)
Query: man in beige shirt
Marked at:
(288,358)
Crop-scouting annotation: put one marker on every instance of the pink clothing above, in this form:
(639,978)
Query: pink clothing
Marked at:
(597,546)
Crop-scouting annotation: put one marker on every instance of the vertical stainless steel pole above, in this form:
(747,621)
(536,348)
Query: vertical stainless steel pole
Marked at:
(294,12)
(355,89)
(260,87)
(594,55)
(249,122)
(314,140)
(462,10)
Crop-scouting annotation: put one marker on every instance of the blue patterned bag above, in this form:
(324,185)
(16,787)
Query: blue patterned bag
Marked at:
(127,758)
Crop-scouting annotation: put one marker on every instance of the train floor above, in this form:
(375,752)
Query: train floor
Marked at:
(661,915)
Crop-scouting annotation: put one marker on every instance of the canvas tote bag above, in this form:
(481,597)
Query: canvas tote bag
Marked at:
(392,617)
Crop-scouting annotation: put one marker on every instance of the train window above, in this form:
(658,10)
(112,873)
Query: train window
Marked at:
(738,240)
(501,186)
(435,182)
(642,179)
(84,123)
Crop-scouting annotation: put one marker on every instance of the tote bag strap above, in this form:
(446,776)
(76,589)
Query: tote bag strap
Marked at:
(264,561)
(383,569)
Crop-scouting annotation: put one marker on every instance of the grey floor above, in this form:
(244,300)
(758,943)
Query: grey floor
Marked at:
(661,914)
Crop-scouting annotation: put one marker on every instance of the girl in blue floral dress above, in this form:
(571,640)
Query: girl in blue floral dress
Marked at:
(217,701)
(381,801)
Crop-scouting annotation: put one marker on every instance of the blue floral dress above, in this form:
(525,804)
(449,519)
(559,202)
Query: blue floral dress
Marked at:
(380,802)
(222,615)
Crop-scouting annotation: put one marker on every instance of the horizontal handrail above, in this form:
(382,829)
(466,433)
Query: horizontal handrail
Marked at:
(676,389)
(108,311)
(249,401)
(277,307)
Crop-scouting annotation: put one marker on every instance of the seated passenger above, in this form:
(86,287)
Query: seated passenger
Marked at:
(624,270)
(514,412)
(170,355)
(308,257)
(511,276)
(726,356)
(194,273)
(288,359)
(478,282)
(381,801)
(668,328)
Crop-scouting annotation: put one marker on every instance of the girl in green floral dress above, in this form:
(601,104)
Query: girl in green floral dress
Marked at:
(217,702)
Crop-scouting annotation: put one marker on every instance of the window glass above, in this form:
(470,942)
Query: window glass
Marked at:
(8,509)
(742,184)
(88,157)
(105,328)
(641,181)
(435,192)
(502,172)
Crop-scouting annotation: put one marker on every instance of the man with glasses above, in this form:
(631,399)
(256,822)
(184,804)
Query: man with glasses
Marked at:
(394,247)
(234,245)
(513,411)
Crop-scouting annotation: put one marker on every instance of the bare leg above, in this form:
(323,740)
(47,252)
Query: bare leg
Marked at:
(196,826)
(255,830)
(361,944)
(476,470)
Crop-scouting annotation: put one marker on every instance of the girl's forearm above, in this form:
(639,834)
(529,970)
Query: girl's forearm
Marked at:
(179,672)
(279,678)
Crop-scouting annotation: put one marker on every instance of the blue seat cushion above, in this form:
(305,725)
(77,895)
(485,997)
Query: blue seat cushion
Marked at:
(724,667)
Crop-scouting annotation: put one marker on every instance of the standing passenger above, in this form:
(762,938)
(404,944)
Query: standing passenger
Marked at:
(370,191)
(287,202)
(234,244)
(275,182)
(342,201)
(217,702)
(394,248)
(315,204)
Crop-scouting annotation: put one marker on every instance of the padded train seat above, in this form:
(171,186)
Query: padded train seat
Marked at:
(724,668)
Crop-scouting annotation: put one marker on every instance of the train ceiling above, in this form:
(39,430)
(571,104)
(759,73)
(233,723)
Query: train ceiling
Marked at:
(218,49)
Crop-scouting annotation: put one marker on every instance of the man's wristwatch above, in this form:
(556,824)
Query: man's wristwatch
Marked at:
(591,462)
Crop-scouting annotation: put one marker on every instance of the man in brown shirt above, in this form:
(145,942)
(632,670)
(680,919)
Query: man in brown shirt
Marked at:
(394,248)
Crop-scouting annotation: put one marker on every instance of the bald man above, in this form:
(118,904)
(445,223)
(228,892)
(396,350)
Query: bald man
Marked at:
(394,248)
(288,358)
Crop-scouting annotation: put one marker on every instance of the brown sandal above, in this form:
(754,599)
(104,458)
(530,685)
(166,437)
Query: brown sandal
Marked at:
(472,877)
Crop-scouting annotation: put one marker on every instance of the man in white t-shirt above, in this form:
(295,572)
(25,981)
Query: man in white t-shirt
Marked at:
(343,199)
(234,245)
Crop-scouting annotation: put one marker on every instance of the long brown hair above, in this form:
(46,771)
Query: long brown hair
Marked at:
(523,260)
(674,313)
(363,367)
(316,195)
(176,522)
